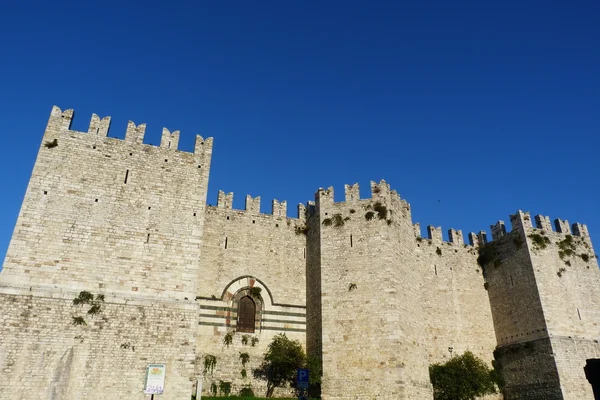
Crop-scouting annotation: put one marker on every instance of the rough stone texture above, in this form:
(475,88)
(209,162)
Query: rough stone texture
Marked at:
(413,298)
(43,355)
(540,293)
(353,281)
(109,214)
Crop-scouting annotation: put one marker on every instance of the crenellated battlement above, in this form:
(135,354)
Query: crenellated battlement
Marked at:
(380,192)
(60,122)
(252,205)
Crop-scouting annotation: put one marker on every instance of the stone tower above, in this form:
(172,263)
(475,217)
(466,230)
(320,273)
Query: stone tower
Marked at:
(544,289)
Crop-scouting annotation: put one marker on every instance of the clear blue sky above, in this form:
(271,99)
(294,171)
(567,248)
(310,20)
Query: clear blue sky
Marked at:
(470,110)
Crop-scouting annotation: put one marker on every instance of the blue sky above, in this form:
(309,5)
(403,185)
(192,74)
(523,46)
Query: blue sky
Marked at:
(470,110)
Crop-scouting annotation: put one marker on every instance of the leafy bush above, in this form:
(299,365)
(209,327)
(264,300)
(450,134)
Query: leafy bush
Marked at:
(282,359)
(246,392)
(462,378)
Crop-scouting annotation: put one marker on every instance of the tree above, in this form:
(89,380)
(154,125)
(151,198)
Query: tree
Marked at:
(461,378)
(282,359)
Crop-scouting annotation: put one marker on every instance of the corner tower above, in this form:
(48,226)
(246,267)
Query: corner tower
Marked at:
(369,323)
(544,290)
(117,215)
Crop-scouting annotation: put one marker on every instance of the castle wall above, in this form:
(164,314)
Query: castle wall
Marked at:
(266,246)
(455,302)
(569,288)
(115,214)
(43,355)
(246,249)
(372,329)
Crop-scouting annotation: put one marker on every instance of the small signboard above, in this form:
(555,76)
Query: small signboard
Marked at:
(302,378)
(155,378)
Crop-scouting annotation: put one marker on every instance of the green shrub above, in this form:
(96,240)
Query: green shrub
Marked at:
(461,378)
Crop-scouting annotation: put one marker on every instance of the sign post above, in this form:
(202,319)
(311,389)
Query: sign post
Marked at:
(302,383)
(155,379)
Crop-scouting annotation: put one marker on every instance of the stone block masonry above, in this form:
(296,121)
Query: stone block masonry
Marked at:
(352,280)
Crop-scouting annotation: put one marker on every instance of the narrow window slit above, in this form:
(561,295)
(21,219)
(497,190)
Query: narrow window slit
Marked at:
(350,240)
(305,253)
(194,214)
(126,176)
(225,241)
(148,238)
(435,269)
(579,314)
(96,200)
(512,283)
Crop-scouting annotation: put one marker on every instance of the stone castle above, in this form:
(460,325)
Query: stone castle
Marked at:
(175,281)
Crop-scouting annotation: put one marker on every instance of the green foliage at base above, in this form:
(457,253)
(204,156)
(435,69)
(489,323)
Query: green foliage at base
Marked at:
(283,357)
(241,397)
(462,378)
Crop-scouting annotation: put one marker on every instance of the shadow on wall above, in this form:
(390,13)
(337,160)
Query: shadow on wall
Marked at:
(592,373)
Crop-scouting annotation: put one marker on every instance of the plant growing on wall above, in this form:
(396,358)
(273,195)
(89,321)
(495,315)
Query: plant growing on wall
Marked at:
(224,388)
(381,210)
(539,242)
(369,215)
(213,388)
(255,292)
(210,362)
(51,144)
(488,254)
(301,229)
(566,247)
(561,271)
(228,338)
(327,222)
(253,341)
(351,287)
(438,251)
(244,373)
(245,339)
(95,303)
(244,357)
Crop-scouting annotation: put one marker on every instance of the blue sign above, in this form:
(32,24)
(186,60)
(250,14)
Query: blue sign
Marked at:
(302,378)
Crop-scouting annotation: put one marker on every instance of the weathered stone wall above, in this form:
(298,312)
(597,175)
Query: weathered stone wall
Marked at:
(245,249)
(44,356)
(568,282)
(241,243)
(371,327)
(116,215)
(217,318)
(529,369)
(544,288)
(414,298)
(455,302)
